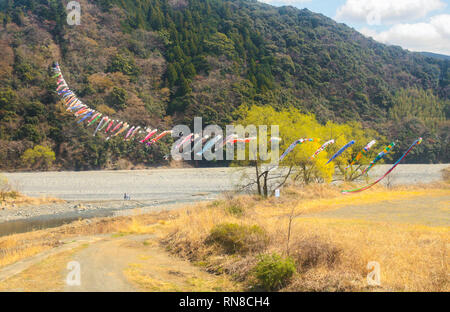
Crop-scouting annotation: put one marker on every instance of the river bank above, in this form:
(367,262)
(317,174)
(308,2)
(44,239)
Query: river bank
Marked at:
(100,193)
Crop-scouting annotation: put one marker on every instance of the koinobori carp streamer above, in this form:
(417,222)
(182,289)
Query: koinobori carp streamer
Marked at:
(362,153)
(293,145)
(380,155)
(322,148)
(339,152)
(209,144)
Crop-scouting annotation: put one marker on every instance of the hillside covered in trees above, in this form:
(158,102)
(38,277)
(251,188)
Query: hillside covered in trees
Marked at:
(163,62)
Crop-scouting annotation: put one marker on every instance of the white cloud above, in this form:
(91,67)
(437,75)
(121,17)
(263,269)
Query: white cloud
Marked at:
(386,11)
(442,24)
(433,36)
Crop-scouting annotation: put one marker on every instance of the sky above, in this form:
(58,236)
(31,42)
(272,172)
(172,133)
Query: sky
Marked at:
(416,25)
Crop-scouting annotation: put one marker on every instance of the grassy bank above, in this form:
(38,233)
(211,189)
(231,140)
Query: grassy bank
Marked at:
(10,198)
(280,244)
(20,246)
(266,245)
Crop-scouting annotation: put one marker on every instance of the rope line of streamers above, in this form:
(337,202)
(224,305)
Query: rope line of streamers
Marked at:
(114,128)
(416,142)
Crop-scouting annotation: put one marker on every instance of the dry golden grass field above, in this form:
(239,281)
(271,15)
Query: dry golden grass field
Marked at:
(310,239)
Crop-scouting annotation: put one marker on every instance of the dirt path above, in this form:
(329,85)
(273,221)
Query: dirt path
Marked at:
(113,263)
(102,265)
(137,263)
(20,266)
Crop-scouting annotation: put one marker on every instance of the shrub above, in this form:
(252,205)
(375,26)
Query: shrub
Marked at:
(215,204)
(235,238)
(219,44)
(39,156)
(6,189)
(234,207)
(124,64)
(313,251)
(29,132)
(272,272)
(8,99)
(118,98)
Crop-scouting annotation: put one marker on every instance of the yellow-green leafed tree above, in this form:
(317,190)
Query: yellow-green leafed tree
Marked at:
(293,125)
(39,157)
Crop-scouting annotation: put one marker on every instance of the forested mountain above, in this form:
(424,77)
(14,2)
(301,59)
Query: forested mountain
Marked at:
(162,62)
(435,55)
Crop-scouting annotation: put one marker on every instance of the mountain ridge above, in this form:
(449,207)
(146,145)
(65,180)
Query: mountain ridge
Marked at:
(158,63)
(436,55)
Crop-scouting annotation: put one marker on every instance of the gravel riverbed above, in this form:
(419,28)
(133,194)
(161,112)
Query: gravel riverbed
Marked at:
(96,191)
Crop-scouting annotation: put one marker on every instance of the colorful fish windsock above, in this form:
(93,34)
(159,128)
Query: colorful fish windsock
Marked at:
(93,117)
(159,137)
(362,153)
(70,100)
(416,142)
(94,120)
(81,111)
(76,106)
(339,152)
(209,144)
(244,140)
(129,132)
(380,155)
(89,113)
(184,141)
(200,142)
(124,128)
(293,145)
(228,139)
(61,87)
(117,127)
(104,124)
(149,135)
(101,123)
(66,94)
(136,130)
(68,97)
(109,126)
(322,148)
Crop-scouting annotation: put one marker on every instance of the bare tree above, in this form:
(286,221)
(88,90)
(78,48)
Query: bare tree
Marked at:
(265,179)
(292,216)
